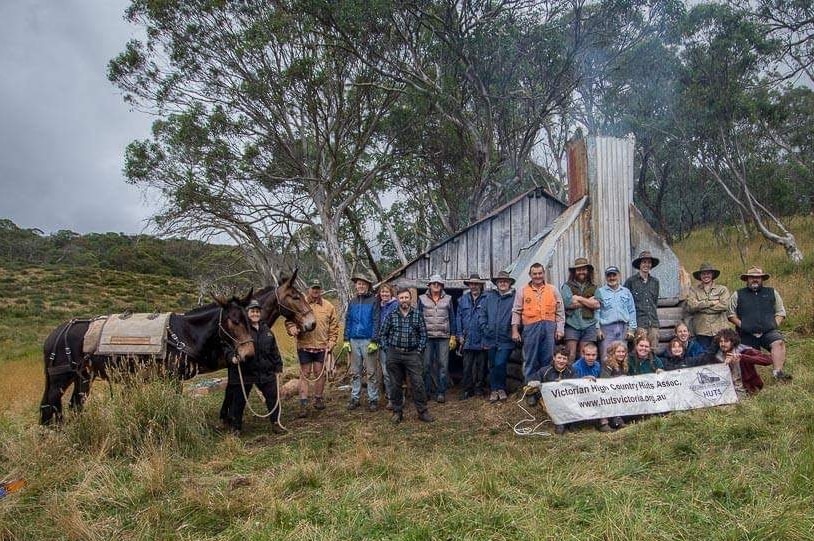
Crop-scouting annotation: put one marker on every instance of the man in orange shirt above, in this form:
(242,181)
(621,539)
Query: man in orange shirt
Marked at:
(538,306)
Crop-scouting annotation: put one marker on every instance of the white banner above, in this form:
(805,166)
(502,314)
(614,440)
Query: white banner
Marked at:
(579,399)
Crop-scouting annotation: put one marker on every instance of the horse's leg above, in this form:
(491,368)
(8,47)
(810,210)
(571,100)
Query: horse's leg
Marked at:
(51,407)
(81,388)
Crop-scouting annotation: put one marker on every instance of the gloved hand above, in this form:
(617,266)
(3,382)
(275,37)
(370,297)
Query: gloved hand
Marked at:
(535,384)
(453,343)
(372,348)
(345,348)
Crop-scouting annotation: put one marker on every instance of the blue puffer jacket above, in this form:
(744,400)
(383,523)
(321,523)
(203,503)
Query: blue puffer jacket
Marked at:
(496,319)
(362,318)
(468,320)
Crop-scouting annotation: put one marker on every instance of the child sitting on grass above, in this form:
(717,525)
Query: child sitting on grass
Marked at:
(558,370)
(614,366)
(677,357)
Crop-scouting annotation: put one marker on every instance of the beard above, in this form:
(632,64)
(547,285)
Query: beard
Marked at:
(754,287)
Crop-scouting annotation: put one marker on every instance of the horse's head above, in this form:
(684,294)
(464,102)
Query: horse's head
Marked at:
(234,324)
(289,302)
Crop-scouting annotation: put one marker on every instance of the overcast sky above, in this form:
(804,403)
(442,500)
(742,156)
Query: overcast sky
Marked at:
(63,126)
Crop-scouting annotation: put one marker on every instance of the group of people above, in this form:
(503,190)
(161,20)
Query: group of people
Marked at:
(389,334)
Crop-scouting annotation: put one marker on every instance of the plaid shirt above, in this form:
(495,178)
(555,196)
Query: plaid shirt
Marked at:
(404,332)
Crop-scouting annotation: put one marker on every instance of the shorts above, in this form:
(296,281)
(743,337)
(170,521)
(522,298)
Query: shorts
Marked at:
(308,357)
(585,335)
(764,341)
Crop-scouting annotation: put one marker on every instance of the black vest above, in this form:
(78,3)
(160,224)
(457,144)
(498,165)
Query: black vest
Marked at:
(756,310)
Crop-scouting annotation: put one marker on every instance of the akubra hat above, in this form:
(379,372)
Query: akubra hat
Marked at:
(436,279)
(502,275)
(474,278)
(581,262)
(362,277)
(755,271)
(645,255)
(704,268)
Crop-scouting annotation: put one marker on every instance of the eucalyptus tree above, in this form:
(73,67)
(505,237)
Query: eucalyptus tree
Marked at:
(265,131)
(726,59)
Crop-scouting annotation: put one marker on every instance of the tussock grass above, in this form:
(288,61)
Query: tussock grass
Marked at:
(150,463)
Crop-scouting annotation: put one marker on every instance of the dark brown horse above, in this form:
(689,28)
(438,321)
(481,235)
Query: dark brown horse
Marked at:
(287,301)
(197,342)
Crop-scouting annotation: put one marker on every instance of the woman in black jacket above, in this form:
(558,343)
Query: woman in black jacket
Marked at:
(261,370)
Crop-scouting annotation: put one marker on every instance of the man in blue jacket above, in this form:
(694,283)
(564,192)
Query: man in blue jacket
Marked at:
(475,351)
(496,325)
(361,341)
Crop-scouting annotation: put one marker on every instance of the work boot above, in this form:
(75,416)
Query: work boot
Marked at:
(277,429)
(501,394)
(532,399)
(441,398)
(617,423)
(389,405)
(353,404)
(493,397)
(426,417)
(373,405)
(397,417)
(319,403)
(303,408)
(604,427)
(781,377)
(559,430)
(465,395)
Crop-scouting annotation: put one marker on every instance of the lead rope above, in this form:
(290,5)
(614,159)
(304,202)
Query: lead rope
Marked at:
(277,405)
(528,430)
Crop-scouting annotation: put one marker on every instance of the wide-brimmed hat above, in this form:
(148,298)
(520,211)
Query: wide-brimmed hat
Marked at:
(362,277)
(474,278)
(254,303)
(646,255)
(503,275)
(436,279)
(755,271)
(581,262)
(706,267)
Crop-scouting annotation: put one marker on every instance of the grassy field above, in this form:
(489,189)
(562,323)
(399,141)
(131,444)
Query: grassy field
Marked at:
(156,466)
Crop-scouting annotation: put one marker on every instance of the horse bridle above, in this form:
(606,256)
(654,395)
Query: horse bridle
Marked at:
(229,336)
(280,304)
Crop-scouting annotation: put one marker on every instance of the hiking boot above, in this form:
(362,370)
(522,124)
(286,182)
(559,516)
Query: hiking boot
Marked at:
(604,427)
(781,377)
(303,408)
(426,417)
(319,403)
(389,405)
(397,417)
(353,404)
(441,398)
(493,397)
(373,405)
(465,395)
(277,429)
(559,430)
(532,399)
(501,394)
(617,423)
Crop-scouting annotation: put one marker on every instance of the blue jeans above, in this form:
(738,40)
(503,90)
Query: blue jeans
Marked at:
(538,347)
(360,358)
(613,332)
(498,359)
(436,366)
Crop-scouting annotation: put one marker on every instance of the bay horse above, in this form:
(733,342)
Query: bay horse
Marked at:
(197,342)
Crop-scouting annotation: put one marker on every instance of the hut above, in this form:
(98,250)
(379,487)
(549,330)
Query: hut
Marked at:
(599,221)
